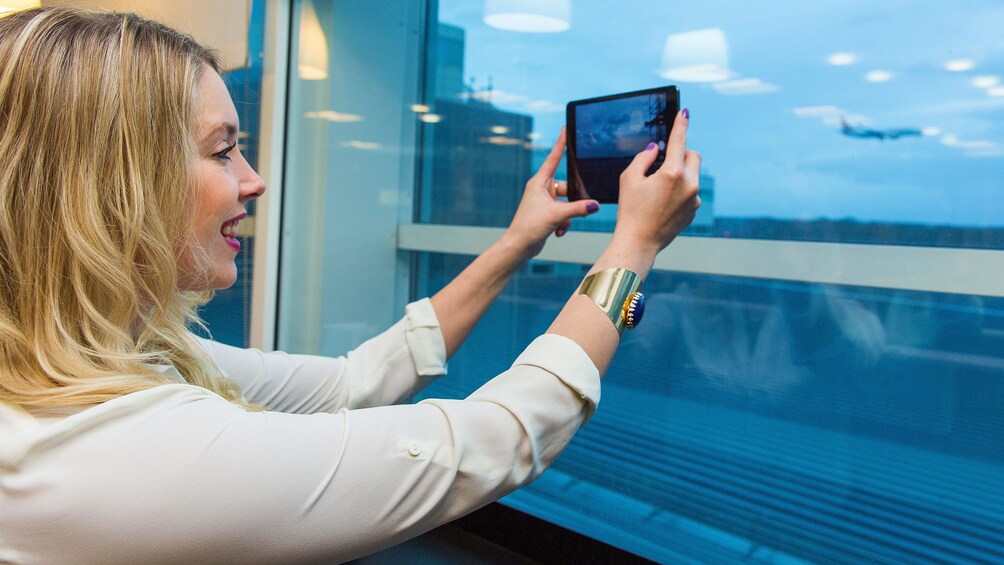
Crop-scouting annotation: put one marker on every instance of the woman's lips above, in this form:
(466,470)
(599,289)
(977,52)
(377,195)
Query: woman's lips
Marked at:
(229,232)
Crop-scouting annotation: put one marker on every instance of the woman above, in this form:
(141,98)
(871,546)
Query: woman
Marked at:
(120,438)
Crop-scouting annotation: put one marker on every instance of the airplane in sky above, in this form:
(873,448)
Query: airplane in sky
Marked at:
(880,134)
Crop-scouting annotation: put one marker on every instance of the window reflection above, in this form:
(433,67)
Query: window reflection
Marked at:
(763,421)
(757,420)
(228,315)
(827,122)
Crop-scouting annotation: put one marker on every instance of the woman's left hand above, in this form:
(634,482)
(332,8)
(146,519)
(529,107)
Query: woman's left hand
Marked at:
(540,213)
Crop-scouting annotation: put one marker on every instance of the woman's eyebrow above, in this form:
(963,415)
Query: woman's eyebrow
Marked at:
(229,128)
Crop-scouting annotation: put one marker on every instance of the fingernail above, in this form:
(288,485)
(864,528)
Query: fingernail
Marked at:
(560,232)
(592,208)
(686,113)
(651,145)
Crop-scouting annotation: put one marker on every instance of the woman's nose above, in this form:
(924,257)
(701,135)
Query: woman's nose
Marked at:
(252,186)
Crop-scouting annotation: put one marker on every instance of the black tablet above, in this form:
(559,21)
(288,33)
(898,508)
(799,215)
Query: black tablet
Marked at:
(604,134)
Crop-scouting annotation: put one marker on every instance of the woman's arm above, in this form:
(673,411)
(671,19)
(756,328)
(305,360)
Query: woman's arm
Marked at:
(385,369)
(461,303)
(177,474)
(208,481)
(652,210)
(397,363)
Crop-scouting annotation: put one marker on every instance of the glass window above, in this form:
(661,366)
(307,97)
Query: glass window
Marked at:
(349,171)
(758,416)
(861,122)
(749,418)
(228,314)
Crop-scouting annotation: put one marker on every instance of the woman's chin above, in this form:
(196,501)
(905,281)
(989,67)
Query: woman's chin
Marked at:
(218,279)
(224,279)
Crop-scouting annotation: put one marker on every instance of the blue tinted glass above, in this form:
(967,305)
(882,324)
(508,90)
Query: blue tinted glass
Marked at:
(754,419)
(865,122)
(772,421)
(228,315)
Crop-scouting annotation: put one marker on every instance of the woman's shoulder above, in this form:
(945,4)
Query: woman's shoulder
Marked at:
(33,431)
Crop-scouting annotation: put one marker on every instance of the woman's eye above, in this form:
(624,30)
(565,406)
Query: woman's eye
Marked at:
(224,154)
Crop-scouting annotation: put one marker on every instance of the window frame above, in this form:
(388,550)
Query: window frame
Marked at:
(958,270)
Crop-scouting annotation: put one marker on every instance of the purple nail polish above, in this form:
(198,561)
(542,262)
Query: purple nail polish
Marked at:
(686,113)
(592,207)
(651,145)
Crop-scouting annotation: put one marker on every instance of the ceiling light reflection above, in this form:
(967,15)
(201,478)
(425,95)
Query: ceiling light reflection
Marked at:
(532,16)
(431,118)
(842,59)
(542,106)
(985,81)
(878,76)
(501,140)
(313,46)
(356,144)
(333,116)
(696,56)
(959,65)
(818,111)
(744,86)
(419,108)
(493,96)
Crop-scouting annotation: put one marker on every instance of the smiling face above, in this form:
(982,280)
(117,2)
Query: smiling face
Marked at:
(224,182)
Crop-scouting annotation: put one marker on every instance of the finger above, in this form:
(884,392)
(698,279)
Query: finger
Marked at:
(692,164)
(561,188)
(577,209)
(643,161)
(563,228)
(676,147)
(554,157)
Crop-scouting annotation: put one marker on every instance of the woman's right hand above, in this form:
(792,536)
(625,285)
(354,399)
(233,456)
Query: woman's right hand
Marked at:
(653,209)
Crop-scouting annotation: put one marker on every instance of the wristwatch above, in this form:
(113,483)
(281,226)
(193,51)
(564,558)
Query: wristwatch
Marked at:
(616,292)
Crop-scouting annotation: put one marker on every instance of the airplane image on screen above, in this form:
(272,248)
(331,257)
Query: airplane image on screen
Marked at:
(881,134)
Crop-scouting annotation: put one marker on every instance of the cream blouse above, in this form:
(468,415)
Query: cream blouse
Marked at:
(177,474)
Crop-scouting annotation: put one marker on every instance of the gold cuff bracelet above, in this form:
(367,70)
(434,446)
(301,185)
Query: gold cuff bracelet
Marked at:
(615,291)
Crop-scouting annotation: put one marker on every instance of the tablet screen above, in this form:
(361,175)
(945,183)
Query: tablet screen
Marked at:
(605,134)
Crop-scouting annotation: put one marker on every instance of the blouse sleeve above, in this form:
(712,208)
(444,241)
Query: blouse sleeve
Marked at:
(193,478)
(386,369)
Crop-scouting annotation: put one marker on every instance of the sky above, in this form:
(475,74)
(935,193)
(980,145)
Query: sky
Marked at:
(770,133)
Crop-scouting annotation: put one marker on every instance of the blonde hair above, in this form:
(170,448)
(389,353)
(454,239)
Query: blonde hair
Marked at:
(96,146)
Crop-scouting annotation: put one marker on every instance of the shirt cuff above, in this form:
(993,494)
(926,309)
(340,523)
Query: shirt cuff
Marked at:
(425,339)
(566,360)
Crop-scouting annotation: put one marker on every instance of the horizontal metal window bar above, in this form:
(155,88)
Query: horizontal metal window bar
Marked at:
(933,269)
